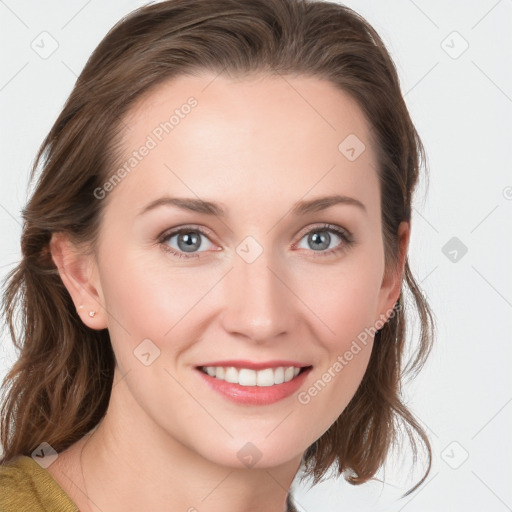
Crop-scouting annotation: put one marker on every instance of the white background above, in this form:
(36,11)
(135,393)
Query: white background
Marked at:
(462,107)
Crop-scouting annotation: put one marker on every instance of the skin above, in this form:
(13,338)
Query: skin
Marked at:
(256,145)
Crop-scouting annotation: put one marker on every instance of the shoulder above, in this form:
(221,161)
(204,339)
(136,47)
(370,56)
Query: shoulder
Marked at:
(26,486)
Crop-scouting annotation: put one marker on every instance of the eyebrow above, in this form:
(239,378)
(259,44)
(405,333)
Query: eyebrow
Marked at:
(211,208)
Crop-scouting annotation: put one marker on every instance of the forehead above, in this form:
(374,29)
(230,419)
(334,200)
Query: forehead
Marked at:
(254,137)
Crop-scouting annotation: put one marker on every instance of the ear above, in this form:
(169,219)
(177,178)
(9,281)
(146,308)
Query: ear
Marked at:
(79,273)
(391,286)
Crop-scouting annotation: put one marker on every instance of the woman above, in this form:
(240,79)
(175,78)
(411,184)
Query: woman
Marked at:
(213,265)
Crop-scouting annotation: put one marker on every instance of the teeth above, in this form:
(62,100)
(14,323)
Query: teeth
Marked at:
(247,377)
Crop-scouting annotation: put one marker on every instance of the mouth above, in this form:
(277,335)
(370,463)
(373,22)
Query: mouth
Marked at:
(249,377)
(261,385)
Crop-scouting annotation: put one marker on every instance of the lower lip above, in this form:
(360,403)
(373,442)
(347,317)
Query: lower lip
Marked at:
(255,395)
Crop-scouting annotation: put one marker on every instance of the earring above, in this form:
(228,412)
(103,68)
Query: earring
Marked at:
(91,313)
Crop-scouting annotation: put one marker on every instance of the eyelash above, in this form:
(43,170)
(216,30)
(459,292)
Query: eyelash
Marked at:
(346,237)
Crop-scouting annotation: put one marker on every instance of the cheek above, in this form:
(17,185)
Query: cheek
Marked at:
(147,291)
(344,301)
(345,341)
(148,297)
(343,304)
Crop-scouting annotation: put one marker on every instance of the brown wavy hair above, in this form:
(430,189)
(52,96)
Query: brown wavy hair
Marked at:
(59,387)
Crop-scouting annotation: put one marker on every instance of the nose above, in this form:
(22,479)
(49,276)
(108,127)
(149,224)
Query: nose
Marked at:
(258,303)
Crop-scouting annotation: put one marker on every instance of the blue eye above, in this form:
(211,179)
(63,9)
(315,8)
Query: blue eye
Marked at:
(189,241)
(319,238)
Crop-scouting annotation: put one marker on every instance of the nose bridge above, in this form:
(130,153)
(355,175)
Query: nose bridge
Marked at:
(258,304)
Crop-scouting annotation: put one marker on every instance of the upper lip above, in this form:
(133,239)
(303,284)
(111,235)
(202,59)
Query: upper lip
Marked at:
(253,365)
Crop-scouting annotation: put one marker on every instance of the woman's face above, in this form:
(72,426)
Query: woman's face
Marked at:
(255,277)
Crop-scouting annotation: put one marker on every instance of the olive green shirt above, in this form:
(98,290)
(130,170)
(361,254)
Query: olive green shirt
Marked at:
(25,486)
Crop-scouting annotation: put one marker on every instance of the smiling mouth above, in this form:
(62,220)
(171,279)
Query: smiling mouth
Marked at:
(248,377)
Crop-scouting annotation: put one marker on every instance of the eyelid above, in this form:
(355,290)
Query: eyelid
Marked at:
(327,227)
(186,227)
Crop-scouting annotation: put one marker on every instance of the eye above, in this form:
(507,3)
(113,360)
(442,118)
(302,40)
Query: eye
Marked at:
(320,238)
(188,241)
